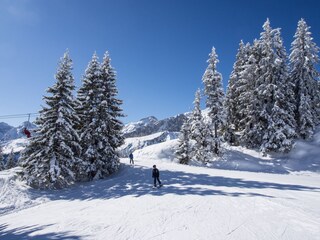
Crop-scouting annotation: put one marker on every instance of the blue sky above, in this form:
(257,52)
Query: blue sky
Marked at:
(158,48)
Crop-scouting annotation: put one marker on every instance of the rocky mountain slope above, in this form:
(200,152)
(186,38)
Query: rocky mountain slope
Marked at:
(150,125)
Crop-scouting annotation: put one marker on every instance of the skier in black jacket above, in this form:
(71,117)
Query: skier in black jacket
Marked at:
(156,175)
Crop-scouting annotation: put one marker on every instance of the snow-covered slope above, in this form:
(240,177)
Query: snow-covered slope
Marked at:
(240,196)
(304,156)
(272,197)
(16,145)
(194,203)
(164,151)
(132,144)
(14,194)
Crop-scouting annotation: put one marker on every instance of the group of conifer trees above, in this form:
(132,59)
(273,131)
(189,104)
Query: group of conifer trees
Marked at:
(77,136)
(271,98)
(10,160)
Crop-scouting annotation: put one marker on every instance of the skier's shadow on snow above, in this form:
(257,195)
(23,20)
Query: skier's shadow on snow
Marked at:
(25,232)
(136,181)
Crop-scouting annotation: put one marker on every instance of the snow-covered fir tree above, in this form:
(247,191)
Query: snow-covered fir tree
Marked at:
(11,163)
(265,85)
(100,109)
(110,97)
(184,146)
(267,117)
(277,125)
(213,90)
(248,99)
(303,73)
(281,131)
(87,110)
(200,133)
(2,167)
(236,88)
(51,159)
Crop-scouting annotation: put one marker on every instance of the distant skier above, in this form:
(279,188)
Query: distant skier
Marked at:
(26,132)
(131,158)
(156,175)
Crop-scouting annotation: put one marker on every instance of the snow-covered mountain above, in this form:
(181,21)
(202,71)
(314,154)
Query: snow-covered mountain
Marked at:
(4,129)
(150,125)
(143,127)
(8,132)
(146,132)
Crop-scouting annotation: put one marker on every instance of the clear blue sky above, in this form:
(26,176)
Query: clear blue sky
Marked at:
(158,48)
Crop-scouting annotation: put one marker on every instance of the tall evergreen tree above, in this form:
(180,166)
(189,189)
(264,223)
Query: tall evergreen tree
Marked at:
(87,109)
(200,133)
(213,89)
(109,95)
(100,110)
(11,163)
(248,99)
(234,88)
(265,83)
(235,103)
(268,122)
(303,72)
(184,146)
(281,129)
(50,160)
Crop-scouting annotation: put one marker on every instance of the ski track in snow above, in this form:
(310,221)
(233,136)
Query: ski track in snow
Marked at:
(194,203)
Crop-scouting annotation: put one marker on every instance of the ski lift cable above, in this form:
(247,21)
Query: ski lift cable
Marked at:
(23,115)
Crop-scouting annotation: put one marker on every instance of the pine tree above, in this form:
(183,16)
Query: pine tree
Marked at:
(248,101)
(268,116)
(237,87)
(265,84)
(281,130)
(51,158)
(232,96)
(2,167)
(184,147)
(87,109)
(109,111)
(100,110)
(303,73)
(212,80)
(11,163)
(200,133)
(109,95)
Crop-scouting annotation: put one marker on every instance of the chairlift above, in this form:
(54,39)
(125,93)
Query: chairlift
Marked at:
(25,130)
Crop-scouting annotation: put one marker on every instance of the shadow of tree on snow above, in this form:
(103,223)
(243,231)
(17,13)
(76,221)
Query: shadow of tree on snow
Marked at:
(27,231)
(136,181)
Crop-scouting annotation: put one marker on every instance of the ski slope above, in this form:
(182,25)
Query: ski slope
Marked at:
(194,203)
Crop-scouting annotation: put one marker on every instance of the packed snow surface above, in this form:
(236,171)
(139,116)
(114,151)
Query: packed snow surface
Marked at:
(243,195)
(194,203)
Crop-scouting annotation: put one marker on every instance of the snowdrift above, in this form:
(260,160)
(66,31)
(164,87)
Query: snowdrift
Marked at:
(14,194)
(16,145)
(133,144)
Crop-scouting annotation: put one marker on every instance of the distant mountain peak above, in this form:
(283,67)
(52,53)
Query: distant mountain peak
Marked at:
(148,119)
(150,125)
(8,132)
